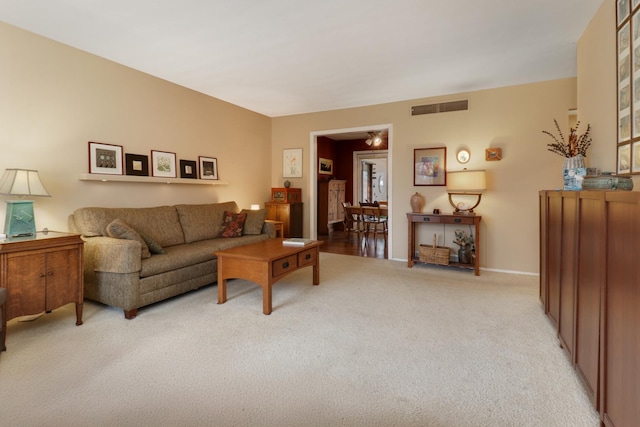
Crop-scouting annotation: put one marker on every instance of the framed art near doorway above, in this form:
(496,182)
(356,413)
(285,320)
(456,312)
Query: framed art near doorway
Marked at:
(430,166)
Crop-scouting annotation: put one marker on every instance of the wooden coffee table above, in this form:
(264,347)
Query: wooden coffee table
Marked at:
(265,263)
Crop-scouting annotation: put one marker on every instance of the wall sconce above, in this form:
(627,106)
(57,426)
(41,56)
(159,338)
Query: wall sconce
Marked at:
(19,218)
(466,183)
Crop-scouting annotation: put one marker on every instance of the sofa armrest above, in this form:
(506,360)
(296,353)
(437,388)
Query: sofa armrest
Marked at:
(270,229)
(109,255)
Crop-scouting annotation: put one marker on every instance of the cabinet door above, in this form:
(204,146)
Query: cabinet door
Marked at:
(332,214)
(568,270)
(544,283)
(589,286)
(620,402)
(62,278)
(554,254)
(340,199)
(25,283)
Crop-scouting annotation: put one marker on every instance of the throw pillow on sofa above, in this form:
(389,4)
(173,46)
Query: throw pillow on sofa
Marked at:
(154,247)
(254,222)
(232,224)
(121,230)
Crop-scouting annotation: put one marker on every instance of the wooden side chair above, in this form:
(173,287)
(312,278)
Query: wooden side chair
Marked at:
(352,219)
(374,221)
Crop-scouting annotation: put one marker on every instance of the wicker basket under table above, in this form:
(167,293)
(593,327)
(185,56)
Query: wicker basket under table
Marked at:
(434,254)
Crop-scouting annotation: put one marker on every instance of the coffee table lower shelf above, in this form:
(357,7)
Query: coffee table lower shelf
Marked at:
(265,263)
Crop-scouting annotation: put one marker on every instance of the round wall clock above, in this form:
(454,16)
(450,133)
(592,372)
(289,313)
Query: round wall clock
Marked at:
(463,156)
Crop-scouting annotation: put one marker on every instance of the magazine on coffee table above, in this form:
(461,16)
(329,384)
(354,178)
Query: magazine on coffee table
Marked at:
(297,241)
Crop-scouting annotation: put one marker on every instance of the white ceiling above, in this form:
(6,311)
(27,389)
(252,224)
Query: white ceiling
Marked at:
(282,57)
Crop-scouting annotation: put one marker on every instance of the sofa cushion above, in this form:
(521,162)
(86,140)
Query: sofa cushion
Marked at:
(121,230)
(159,223)
(201,222)
(233,224)
(183,256)
(254,222)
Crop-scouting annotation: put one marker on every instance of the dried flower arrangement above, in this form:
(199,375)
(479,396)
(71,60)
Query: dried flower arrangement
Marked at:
(463,239)
(576,144)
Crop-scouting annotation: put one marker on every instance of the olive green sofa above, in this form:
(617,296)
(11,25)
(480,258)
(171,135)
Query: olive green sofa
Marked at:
(180,239)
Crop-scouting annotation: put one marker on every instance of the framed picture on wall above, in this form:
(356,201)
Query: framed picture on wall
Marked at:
(622,10)
(188,169)
(105,158)
(292,163)
(430,166)
(624,83)
(208,167)
(136,164)
(163,164)
(635,156)
(325,166)
(624,159)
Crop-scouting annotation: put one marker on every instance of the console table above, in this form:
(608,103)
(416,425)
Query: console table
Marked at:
(421,218)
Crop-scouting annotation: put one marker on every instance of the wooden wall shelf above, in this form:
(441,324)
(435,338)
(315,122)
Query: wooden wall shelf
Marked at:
(148,179)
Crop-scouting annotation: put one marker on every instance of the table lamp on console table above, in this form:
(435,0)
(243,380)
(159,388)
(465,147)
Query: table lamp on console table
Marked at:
(20,219)
(466,183)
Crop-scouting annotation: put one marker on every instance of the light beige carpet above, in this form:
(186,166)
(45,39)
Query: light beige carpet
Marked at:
(376,344)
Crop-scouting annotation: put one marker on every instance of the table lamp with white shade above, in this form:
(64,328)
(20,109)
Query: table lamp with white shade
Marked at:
(20,219)
(466,183)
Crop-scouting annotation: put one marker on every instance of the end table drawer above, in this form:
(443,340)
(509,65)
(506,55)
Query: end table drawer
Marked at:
(282,265)
(459,220)
(307,257)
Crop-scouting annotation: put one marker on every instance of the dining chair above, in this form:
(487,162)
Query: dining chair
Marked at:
(353,220)
(375,222)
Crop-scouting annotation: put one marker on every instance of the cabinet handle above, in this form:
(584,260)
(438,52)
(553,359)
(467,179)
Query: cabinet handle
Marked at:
(458,220)
(426,218)
(41,274)
(285,264)
(308,256)
(50,273)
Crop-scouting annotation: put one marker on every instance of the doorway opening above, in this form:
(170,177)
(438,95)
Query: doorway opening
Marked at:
(370,177)
(377,177)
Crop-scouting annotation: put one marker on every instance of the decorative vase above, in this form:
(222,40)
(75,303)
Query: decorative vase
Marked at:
(417,202)
(464,256)
(287,184)
(574,162)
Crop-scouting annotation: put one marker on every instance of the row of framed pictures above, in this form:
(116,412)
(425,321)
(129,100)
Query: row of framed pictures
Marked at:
(628,86)
(108,159)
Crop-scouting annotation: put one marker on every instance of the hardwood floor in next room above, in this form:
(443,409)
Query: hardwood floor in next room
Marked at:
(337,242)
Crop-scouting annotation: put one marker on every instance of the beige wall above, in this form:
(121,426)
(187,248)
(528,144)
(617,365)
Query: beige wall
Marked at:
(54,99)
(511,118)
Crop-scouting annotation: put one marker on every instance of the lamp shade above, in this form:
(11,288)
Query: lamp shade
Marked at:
(22,182)
(466,181)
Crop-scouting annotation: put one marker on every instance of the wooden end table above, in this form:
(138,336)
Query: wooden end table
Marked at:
(265,263)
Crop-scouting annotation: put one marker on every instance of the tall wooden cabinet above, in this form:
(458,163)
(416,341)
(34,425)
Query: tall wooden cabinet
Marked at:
(331,195)
(590,289)
(289,213)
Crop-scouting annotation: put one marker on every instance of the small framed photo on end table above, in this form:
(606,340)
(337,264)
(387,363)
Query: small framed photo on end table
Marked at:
(430,166)
(105,158)
(208,167)
(163,164)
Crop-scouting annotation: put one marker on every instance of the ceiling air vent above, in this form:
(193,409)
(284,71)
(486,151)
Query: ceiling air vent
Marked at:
(443,107)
